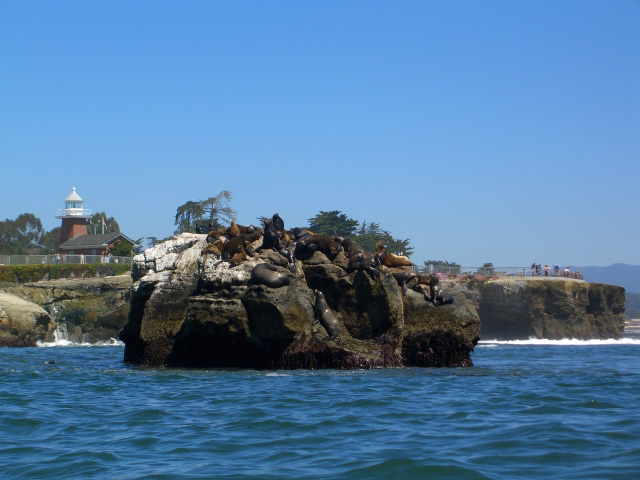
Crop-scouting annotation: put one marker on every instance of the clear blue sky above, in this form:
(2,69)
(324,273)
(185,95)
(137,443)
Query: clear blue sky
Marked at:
(496,131)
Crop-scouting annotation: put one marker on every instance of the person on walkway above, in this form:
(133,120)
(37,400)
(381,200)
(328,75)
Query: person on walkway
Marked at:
(546,270)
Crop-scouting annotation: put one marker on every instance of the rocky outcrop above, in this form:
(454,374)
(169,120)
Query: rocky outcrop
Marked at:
(550,308)
(88,310)
(22,323)
(189,309)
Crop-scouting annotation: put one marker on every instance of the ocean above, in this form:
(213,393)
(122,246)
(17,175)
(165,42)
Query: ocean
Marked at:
(533,409)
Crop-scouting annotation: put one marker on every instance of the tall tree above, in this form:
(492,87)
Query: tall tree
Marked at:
(218,210)
(22,235)
(333,223)
(187,215)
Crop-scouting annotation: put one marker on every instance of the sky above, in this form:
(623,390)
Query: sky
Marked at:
(495,131)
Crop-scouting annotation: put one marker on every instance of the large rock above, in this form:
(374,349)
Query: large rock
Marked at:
(550,308)
(86,309)
(192,310)
(22,323)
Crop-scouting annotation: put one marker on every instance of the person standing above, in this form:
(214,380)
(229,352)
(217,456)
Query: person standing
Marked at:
(546,270)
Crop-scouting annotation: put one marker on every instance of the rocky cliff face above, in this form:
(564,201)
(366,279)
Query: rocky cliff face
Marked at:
(189,309)
(550,308)
(89,309)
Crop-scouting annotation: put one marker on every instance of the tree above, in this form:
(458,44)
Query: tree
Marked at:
(96,222)
(333,223)
(51,240)
(441,266)
(486,269)
(121,248)
(187,215)
(22,235)
(218,210)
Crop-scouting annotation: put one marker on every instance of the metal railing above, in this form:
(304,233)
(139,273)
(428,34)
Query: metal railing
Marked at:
(60,259)
(503,271)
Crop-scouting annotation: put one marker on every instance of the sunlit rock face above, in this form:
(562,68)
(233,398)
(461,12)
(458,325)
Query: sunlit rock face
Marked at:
(189,309)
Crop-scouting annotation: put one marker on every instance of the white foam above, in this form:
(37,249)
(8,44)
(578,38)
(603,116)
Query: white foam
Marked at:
(60,339)
(563,342)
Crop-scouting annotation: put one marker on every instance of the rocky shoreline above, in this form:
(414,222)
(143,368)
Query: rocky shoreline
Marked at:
(186,308)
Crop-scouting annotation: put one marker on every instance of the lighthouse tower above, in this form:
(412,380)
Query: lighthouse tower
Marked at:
(74,217)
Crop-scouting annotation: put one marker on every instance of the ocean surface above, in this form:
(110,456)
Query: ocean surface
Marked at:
(533,409)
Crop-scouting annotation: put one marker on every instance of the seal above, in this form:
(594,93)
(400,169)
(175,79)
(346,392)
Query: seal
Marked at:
(266,274)
(390,259)
(270,239)
(324,316)
(233,246)
(436,292)
(403,278)
(327,245)
(278,223)
(353,251)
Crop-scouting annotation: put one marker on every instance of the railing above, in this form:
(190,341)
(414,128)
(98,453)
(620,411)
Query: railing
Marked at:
(59,259)
(503,271)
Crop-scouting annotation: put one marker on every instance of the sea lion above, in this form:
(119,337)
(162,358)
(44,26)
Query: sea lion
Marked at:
(403,278)
(234,231)
(299,233)
(270,239)
(230,248)
(213,248)
(324,316)
(352,249)
(327,245)
(278,223)
(436,292)
(368,264)
(390,259)
(266,274)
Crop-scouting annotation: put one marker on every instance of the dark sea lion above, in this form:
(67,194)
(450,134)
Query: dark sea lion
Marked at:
(266,274)
(352,249)
(403,278)
(299,233)
(368,264)
(437,293)
(326,245)
(278,223)
(324,316)
(270,239)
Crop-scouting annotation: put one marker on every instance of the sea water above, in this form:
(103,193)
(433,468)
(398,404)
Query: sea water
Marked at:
(535,409)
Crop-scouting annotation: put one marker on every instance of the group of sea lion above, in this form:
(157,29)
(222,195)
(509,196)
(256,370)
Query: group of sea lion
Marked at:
(234,244)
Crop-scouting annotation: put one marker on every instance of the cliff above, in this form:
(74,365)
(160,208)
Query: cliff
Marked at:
(90,309)
(512,308)
(189,309)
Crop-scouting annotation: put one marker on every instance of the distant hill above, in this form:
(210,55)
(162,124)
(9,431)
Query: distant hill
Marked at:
(627,276)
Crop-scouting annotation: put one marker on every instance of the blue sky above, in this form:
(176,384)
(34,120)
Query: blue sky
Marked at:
(497,131)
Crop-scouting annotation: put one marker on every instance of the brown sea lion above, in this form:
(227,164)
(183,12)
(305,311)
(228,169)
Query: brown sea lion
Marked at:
(327,245)
(324,316)
(230,248)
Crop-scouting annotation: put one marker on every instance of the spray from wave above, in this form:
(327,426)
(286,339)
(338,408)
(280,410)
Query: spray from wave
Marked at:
(61,339)
(563,342)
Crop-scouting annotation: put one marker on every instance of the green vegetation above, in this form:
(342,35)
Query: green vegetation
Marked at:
(632,306)
(366,235)
(35,273)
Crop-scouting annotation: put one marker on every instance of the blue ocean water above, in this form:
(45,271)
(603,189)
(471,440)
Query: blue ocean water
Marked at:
(566,410)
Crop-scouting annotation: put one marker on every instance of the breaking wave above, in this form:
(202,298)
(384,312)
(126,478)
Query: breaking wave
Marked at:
(563,342)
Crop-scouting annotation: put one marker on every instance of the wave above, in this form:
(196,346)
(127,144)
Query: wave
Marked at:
(61,339)
(563,342)
(112,342)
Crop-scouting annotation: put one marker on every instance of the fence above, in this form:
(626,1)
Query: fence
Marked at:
(503,271)
(59,259)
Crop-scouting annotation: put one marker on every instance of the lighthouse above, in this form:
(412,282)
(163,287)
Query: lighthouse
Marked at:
(74,217)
